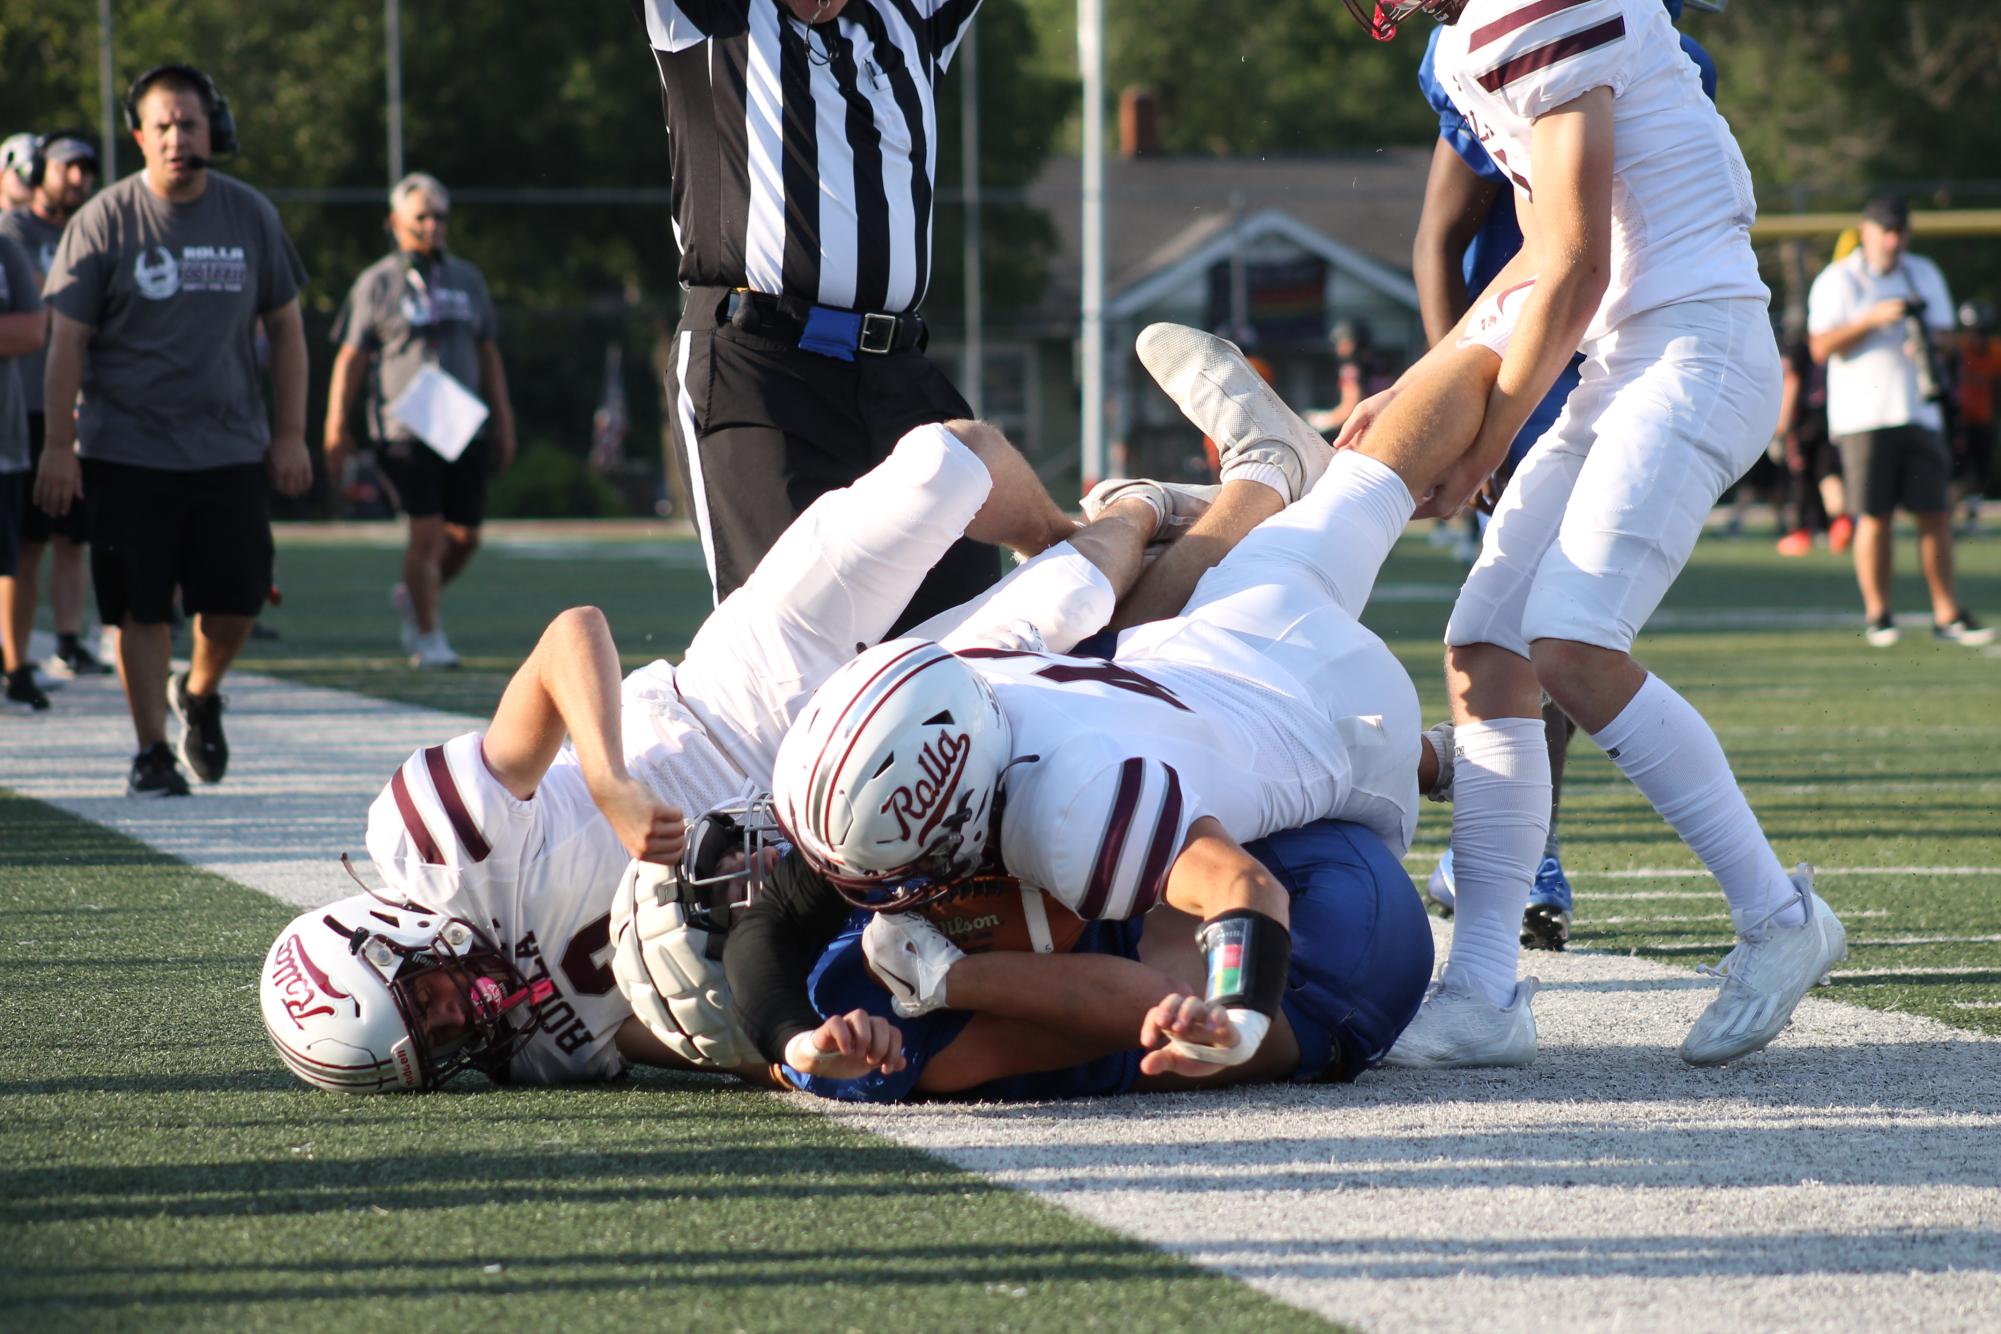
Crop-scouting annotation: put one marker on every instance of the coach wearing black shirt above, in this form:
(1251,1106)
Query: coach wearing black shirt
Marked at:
(802,136)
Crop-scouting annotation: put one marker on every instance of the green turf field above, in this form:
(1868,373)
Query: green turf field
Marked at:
(161,1170)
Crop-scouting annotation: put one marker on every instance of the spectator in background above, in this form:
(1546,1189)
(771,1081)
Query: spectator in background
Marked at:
(15,152)
(61,173)
(1358,370)
(418,307)
(1979,377)
(1816,497)
(22,329)
(1870,318)
(158,288)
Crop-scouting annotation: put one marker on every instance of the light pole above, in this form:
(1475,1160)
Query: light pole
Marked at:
(392,44)
(1091,60)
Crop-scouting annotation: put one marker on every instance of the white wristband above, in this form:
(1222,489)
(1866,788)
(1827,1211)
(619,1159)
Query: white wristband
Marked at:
(801,1050)
(1251,1030)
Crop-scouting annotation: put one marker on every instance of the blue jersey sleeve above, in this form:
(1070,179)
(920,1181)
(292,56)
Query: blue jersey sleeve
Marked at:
(1705,64)
(1452,126)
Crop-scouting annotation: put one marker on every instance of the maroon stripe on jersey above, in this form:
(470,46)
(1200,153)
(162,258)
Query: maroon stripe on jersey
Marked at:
(427,847)
(1487,33)
(1160,853)
(455,806)
(1542,57)
(1132,777)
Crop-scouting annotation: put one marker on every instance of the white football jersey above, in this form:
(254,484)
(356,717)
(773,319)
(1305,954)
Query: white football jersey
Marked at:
(1682,205)
(539,875)
(1127,754)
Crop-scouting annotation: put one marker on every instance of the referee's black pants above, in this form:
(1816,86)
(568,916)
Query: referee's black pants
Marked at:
(767,428)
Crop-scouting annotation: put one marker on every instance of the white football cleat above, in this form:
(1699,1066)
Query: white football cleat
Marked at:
(1458,1028)
(1439,891)
(1765,976)
(912,957)
(1257,436)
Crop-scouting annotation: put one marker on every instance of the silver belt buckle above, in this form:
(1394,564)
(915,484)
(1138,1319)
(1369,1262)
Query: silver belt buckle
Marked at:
(878,333)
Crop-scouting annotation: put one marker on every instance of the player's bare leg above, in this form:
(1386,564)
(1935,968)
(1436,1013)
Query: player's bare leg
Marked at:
(1018,512)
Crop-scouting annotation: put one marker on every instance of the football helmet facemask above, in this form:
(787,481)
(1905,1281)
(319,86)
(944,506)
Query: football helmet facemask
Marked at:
(1382,23)
(373,994)
(889,782)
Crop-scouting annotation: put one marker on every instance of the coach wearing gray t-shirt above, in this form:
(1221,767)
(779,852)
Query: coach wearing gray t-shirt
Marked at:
(419,307)
(159,287)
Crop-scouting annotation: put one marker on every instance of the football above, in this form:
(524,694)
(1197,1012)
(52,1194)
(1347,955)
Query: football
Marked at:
(998,912)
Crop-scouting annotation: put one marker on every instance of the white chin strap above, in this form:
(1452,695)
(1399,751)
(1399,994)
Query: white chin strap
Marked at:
(1251,1029)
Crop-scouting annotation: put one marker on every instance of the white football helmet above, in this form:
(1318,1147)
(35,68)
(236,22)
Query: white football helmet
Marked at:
(341,1002)
(668,924)
(888,781)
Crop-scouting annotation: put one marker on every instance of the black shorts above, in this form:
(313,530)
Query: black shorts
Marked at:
(428,487)
(207,533)
(1899,465)
(771,428)
(38,526)
(14,503)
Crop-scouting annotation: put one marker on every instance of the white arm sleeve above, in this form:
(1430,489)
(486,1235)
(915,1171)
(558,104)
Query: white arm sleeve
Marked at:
(1539,65)
(1060,593)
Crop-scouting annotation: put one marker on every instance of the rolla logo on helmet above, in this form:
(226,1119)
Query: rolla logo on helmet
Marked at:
(305,991)
(942,762)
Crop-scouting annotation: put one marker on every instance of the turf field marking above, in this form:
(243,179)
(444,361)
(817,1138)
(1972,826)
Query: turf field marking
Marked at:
(1645,919)
(1976,1005)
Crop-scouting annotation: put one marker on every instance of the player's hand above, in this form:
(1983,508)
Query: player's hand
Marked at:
(58,482)
(647,827)
(1190,1019)
(847,1046)
(1363,417)
(291,468)
(1886,313)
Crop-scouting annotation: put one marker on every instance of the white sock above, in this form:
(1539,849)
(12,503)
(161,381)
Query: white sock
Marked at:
(1500,816)
(1662,744)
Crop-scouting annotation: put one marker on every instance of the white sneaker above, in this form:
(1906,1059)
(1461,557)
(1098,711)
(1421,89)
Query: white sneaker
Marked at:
(1257,436)
(912,957)
(1439,891)
(433,653)
(1457,1027)
(1176,505)
(1765,976)
(406,617)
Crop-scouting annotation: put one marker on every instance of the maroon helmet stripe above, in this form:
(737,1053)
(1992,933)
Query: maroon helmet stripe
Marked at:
(427,847)
(455,806)
(1132,777)
(1541,57)
(1487,33)
(855,737)
(813,770)
(1161,852)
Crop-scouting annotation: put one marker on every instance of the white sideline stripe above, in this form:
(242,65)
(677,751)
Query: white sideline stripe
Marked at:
(1976,1005)
(1426,862)
(1845,1179)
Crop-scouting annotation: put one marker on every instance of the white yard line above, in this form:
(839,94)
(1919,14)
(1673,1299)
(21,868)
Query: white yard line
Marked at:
(1849,1178)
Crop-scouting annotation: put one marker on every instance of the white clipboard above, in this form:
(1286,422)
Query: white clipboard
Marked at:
(444,414)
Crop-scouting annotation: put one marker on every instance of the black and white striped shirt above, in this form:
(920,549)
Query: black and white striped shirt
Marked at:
(803,158)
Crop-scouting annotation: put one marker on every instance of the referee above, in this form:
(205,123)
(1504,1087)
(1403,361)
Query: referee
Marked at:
(802,136)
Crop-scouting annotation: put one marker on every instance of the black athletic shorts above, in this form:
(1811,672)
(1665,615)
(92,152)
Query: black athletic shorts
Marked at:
(426,486)
(768,428)
(207,533)
(38,526)
(1900,465)
(14,502)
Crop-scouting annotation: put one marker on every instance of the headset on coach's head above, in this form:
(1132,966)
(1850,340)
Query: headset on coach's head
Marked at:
(221,121)
(35,167)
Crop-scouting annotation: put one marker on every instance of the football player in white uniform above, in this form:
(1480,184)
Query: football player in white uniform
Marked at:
(1636,206)
(491,946)
(1116,785)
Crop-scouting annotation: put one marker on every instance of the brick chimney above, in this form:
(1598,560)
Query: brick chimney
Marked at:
(1139,122)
